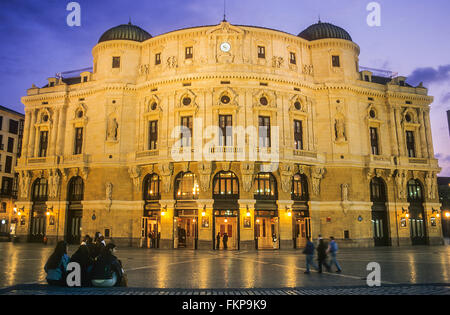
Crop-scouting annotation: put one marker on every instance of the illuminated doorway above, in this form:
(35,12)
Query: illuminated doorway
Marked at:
(226,222)
(267,230)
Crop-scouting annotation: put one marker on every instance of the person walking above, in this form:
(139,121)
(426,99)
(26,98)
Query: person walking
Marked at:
(56,266)
(322,255)
(107,271)
(225,241)
(309,252)
(332,250)
(218,241)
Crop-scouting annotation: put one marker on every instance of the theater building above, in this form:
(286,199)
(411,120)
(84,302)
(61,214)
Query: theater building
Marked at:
(172,140)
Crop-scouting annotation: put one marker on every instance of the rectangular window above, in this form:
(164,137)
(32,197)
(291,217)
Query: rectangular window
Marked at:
(10,145)
(43,143)
(1,122)
(7,183)
(1,142)
(158,59)
(298,134)
(336,61)
(8,164)
(410,144)
(374,141)
(264,132)
(153,135)
(262,52)
(226,130)
(293,58)
(13,126)
(186,132)
(78,147)
(189,52)
(116,62)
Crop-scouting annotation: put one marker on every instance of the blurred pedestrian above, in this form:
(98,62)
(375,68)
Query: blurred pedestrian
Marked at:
(332,250)
(322,255)
(84,258)
(225,241)
(309,252)
(218,241)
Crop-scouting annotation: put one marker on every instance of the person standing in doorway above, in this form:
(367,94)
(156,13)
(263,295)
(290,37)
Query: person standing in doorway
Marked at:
(218,241)
(309,252)
(225,241)
(332,250)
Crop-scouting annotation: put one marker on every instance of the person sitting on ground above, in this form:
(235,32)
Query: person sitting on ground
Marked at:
(56,265)
(84,258)
(99,246)
(107,270)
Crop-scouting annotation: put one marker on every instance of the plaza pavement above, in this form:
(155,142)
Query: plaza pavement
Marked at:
(417,270)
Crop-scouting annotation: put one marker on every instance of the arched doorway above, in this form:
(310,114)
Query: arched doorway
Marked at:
(416,213)
(380,223)
(38,218)
(151,221)
(266,212)
(75,194)
(186,193)
(226,210)
(301,220)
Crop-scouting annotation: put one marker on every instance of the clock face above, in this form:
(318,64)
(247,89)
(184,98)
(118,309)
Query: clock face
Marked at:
(225,47)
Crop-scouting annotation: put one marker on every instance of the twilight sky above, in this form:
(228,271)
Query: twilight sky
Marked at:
(413,38)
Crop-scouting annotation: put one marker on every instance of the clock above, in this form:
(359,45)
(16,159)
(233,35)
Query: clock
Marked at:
(225,47)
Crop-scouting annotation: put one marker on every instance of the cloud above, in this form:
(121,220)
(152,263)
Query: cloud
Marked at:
(446,98)
(429,75)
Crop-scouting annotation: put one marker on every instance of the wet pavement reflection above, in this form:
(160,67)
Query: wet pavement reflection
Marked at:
(23,263)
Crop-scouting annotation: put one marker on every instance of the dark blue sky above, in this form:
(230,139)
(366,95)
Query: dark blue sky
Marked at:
(412,40)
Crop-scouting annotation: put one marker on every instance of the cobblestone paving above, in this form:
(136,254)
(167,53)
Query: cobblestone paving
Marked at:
(244,271)
(434,289)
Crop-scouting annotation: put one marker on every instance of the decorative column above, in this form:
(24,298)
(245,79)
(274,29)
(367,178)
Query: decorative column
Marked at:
(423,140)
(400,136)
(36,141)
(61,132)
(394,141)
(32,134)
(54,127)
(26,132)
(429,137)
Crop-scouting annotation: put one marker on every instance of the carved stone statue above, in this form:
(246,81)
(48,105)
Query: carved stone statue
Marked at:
(166,170)
(113,127)
(400,180)
(286,173)
(172,62)
(204,169)
(247,170)
(109,189)
(345,201)
(277,62)
(317,175)
(54,183)
(430,181)
(135,173)
(340,128)
(25,180)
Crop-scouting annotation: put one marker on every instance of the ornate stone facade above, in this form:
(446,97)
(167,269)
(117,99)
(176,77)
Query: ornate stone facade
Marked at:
(293,110)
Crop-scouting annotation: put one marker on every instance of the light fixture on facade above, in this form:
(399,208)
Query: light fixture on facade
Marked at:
(288,212)
(437,212)
(204,211)
(49,211)
(447,214)
(405,212)
(164,210)
(248,212)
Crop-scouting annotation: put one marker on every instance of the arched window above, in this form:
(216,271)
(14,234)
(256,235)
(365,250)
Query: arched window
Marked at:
(186,186)
(415,190)
(226,186)
(76,189)
(151,186)
(40,190)
(377,190)
(299,187)
(266,186)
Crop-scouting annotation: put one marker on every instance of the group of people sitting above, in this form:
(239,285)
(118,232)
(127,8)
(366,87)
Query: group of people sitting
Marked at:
(98,265)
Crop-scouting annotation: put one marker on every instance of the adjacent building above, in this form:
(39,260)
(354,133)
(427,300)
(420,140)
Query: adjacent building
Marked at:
(174,140)
(11,133)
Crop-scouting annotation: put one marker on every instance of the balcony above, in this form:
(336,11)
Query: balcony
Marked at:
(308,154)
(148,153)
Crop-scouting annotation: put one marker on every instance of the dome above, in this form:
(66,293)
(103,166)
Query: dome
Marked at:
(324,30)
(125,32)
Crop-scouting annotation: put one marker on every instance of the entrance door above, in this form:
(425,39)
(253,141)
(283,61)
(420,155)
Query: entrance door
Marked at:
(74,227)
(38,227)
(187,232)
(417,224)
(266,231)
(227,225)
(153,232)
(302,231)
(380,225)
